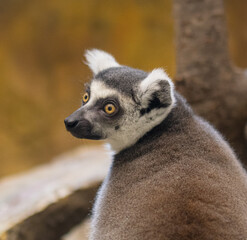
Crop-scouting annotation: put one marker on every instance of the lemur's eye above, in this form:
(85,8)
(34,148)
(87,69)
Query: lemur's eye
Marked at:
(109,108)
(85,98)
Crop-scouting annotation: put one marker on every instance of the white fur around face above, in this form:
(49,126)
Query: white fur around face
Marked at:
(132,125)
(100,90)
(131,132)
(98,60)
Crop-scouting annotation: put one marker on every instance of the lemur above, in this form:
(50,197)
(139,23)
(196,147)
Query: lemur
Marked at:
(173,176)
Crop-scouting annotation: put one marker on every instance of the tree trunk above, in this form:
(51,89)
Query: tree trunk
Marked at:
(215,88)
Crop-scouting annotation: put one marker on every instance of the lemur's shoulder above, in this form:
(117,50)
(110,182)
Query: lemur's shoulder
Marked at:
(182,136)
(173,176)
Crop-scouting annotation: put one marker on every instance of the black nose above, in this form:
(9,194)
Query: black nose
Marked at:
(70,123)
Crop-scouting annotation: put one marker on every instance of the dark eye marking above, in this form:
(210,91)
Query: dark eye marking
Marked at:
(110,101)
(109,108)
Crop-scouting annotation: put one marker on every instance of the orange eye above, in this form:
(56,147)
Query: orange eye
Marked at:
(85,98)
(109,108)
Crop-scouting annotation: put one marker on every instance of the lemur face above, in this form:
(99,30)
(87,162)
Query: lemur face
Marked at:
(120,104)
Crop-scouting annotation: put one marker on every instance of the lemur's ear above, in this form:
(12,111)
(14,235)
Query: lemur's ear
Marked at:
(98,60)
(156,90)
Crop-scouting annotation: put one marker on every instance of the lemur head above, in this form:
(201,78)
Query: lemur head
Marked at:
(120,104)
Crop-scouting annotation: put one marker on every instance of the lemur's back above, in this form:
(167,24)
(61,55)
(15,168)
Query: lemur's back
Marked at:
(180,181)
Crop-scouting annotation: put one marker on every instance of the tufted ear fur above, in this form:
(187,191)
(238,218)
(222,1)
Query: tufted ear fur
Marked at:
(156,91)
(98,60)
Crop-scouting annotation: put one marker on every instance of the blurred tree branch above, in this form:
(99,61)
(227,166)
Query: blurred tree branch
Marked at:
(215,88)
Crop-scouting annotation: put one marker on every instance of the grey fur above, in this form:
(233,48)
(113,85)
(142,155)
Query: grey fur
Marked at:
(121,78)
(174,177)
(181,181)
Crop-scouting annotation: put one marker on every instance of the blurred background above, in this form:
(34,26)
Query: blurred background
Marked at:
(41,71)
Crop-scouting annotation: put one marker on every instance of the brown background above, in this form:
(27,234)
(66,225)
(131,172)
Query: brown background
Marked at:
(41,70)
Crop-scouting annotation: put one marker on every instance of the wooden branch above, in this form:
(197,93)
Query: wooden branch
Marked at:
(205,76)
(47,202)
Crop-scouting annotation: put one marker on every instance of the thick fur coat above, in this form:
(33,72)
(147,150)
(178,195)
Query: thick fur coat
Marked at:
(173,176)
(181,181)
